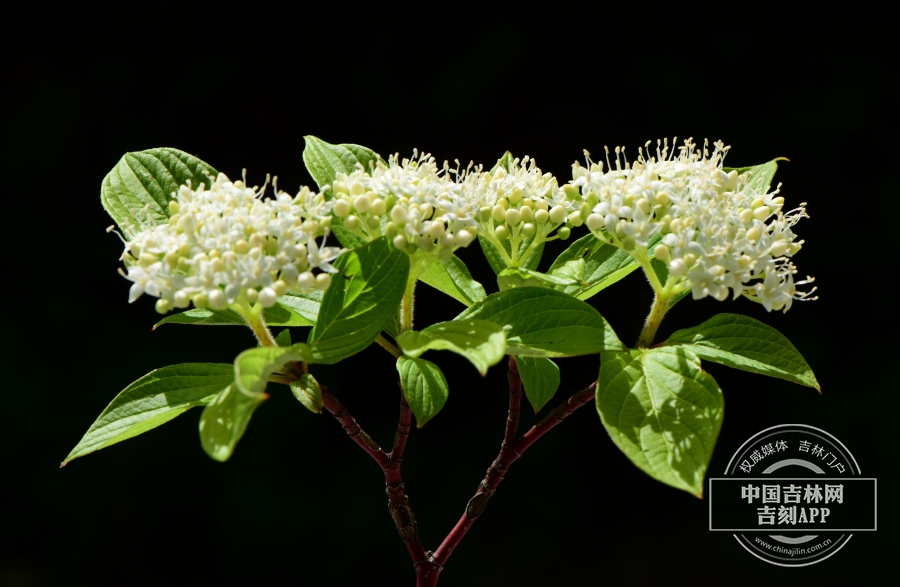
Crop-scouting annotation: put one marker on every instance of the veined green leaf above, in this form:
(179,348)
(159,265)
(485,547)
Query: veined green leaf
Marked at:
(424,386)
(452,277)
(543,322)
(540,377)
(663,411)
(745,343)
(253,366)
(480,341)
(142,184)
(284,338)
(225,420)
(307,391)
(306,304)
(281,314)
(604,265)
(364,295)
(152,400)
(513,277)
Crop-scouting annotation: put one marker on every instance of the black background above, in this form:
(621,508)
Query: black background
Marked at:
(299,503)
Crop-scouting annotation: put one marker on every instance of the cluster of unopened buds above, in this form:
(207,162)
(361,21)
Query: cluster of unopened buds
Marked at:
(519,203)
(419,208)
(226,245)
(720,230)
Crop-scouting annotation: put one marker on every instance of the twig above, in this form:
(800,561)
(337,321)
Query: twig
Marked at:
(509,453)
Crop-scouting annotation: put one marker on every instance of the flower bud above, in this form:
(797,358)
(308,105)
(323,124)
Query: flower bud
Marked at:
(357,189)
(323,281)
(557,214)
(504,203)
(502,232)
(399,215)
(515,197)
(464,237)
(174,207)
(182,299)
(340,188)
(513,217)
(436,230)
(399,242)
(746,215)
(575,219)
(252,295)
(445,254)
(594,222)
(280,287)
(677,268)
(571,192)
(241,247)
(341,208)
(351,222)
(541,216)
(362,204)
(762,212)
(201,300)
(526,213)
(564,232)
(584,211)
(267,297)
(162,305)
(373,222)
(542,205)
(529,229)
(448,240)
(661,252)
(379,207)
(306,281)
(498,213)
(778,248)
(662,198)
(753,234)
(217,300)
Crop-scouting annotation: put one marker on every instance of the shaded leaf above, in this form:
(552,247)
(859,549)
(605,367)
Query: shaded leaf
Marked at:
(364,295)
(480,341)
(225,420)
(540,377)
(253,366)
(543,322)
(452,277)
(424,386)
(281,314)
(307,391)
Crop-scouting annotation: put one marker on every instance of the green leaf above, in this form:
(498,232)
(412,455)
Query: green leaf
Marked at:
(306,304)
(307,391)
(540,376)
(452,277)
(503,162)
(253,366)
(324,161)
(225,420)
(495,259)
(760,175)
(146,180)
(284,338)
(480,341)
(281,314)
(424,386)
(663,411)
(152,400)
(747,344)
(542,322)
(364,295)
(517,277)
(604,265)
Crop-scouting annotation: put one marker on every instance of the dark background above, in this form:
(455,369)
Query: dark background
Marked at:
(299,503)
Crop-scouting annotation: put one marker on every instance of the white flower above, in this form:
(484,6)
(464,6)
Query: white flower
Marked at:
(226,243)
(720,231)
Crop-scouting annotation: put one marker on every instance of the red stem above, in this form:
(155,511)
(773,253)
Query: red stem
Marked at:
(509,453)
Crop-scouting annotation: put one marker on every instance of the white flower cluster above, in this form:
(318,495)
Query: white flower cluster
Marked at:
(719,230)
(521,202)
(435,211)
(225,244)
(418,207)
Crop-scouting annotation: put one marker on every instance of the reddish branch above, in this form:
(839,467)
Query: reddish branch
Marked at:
(429,566)
(390,463)
(509,453)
